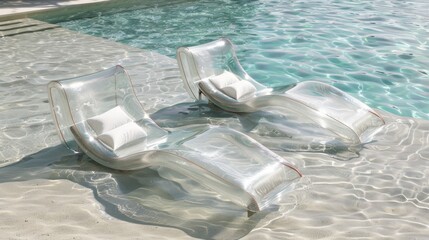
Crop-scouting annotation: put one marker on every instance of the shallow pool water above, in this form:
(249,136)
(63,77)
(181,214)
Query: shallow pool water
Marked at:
(376,50)
(378,191)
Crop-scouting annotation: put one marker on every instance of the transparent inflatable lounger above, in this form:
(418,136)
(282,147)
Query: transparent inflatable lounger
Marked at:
(213,71)
(100,115)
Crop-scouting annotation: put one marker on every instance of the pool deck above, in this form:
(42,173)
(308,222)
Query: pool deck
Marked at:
(23,7)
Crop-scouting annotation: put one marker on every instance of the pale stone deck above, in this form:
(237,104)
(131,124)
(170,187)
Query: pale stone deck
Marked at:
(21,7)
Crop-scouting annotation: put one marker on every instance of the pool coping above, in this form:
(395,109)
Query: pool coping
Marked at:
(77,9)
(21,10)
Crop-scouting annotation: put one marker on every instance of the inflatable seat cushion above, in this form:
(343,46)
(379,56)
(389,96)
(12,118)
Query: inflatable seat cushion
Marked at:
(109,120)
(222,80)
(239,90)
(122,135)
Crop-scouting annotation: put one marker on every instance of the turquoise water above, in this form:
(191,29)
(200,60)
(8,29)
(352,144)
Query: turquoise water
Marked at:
(381,192)
(376,50)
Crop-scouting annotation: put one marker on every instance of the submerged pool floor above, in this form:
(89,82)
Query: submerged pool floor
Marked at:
(380,191)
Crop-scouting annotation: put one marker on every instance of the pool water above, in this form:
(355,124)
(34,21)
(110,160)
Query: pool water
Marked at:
(378,191)
(376,50)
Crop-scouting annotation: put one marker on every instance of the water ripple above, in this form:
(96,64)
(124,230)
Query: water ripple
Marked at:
(282,42)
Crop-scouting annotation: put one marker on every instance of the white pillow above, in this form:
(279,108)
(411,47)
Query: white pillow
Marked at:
(122,135)
(239,90)
(222,80)
(109,120)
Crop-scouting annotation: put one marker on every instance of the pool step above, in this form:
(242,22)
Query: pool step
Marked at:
(24,25)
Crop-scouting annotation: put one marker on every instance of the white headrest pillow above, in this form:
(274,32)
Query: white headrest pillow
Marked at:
(239,90)
(109,120)
(122,135)
(222,80)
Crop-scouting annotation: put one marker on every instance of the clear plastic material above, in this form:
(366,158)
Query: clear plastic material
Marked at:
(323,104)
(229,162)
